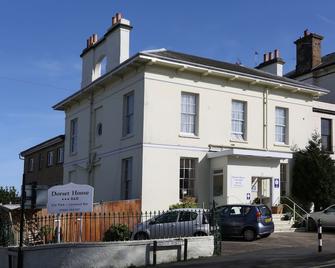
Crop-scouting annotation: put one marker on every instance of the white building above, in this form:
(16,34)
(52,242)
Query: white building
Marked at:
(162,125)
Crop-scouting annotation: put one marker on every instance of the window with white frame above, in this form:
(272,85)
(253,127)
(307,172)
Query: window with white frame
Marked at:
(238,120)
(188,113)
(73,135)
(128,114)
(60,155)
(31,165)
(127,174)
(281,125)
(187,175)
(50,158)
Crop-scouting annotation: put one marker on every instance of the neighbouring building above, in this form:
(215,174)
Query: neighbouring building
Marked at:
(318,70)
(43,163)
(162,125)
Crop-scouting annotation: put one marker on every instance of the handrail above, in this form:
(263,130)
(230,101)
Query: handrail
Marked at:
(294,209)
(288,198)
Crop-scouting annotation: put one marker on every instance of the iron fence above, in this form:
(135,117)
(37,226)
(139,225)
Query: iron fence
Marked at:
(95,227)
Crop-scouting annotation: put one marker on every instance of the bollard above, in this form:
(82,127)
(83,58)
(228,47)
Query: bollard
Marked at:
(320,235)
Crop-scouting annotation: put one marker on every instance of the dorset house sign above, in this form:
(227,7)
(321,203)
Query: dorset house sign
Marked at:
(70,197)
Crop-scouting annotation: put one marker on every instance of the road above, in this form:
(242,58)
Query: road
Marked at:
(279,250)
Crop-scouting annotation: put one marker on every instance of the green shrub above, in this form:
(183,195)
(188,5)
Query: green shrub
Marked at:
(187,202)
(118,232)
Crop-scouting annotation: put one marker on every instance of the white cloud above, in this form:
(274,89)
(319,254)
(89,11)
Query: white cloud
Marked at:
(326,19)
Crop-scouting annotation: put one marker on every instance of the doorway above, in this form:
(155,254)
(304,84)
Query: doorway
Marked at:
(261,190)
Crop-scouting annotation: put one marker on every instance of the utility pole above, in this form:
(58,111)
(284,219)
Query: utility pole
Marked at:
(23,200)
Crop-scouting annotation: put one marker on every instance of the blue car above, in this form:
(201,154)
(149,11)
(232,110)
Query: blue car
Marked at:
(247,221)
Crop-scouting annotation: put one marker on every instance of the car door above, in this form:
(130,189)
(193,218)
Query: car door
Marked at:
(188,223)
(328,217)
(164,225)
(236,218)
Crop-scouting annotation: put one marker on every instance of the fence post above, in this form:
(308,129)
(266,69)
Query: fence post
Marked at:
(185,249)
(58,228)
(154,253)
(319,235)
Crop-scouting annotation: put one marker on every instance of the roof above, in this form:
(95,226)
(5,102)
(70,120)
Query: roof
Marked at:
(197,62)
(45,144)
(10,206)
(326,61)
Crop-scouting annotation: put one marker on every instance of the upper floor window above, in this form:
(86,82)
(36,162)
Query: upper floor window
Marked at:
(50,158)
(31,165)
(127,175)
(188,113)
(100,68)
(60,155)
(238,122)
(326,134)
(281,125)
(128,114)
(73,135)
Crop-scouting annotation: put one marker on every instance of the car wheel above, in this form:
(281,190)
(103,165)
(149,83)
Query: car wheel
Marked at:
(249,235)
(141,236)
(200,234)
(264,235)
(311,225)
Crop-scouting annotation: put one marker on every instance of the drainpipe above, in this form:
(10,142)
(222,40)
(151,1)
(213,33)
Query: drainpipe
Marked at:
(265,118)
(90,135)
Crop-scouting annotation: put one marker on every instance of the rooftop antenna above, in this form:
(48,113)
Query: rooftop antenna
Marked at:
(256,59)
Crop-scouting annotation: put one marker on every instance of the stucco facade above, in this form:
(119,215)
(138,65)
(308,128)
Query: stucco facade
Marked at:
(155,146)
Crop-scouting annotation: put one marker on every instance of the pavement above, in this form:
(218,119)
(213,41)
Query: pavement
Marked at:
(295,249)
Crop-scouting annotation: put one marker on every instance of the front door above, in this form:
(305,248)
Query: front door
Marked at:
(262,190)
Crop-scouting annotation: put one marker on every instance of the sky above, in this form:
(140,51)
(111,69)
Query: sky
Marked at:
(41,42)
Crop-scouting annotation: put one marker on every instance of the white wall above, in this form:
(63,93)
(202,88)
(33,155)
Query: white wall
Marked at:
(112,254)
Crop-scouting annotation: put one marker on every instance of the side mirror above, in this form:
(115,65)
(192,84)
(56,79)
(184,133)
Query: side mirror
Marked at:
(152,222)
(325,211)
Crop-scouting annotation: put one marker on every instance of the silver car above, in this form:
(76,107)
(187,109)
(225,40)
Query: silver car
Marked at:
(174,223)
(327,217)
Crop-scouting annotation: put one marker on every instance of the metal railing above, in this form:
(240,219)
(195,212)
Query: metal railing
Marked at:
(95,227)
(296,209)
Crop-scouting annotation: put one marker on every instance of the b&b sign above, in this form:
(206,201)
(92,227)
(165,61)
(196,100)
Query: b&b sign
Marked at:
(70,197)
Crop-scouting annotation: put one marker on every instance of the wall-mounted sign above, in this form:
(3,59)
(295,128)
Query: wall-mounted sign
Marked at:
(237,182)
(276,183)
(70,198)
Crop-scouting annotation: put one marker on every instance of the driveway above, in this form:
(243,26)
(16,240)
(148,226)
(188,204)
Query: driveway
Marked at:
(279,250)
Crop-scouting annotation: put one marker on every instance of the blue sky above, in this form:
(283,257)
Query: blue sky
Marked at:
(41,42)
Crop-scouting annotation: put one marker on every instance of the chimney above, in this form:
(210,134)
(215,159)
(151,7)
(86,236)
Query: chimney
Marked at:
(272,63)
(113,46)
(308,52)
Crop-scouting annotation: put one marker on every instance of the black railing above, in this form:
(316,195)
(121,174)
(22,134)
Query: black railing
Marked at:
(94,227)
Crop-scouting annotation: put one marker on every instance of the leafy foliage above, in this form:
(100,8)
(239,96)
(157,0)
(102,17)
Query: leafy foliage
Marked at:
(118,232)
(187,202)
(314,175)
(8,194)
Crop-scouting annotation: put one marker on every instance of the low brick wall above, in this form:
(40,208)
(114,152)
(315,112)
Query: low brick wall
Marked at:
(111,254)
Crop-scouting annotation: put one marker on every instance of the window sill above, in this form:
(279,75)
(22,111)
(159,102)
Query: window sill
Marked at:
(73,154)
(128,136)
(97,146)
(239,141)
(277,144)
(186,135)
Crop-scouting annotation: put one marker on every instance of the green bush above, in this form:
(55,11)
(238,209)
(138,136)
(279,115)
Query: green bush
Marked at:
(187,202)
(118,232)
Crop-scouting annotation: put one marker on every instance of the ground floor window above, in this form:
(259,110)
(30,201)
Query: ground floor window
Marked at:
(127,174)
(187,177)
(283,179)
(218,182)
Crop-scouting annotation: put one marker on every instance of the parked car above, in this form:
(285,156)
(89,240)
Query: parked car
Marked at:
(174,223)
(248,221)
(327,217)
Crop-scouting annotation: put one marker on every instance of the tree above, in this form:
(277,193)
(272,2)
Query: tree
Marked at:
(314,175)
(8,194)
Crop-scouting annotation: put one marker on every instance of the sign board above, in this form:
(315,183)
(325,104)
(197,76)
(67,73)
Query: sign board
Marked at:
(276,183)
(237,182)
(70,197)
